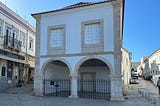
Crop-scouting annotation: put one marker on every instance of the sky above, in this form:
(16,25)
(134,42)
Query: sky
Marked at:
(141,21)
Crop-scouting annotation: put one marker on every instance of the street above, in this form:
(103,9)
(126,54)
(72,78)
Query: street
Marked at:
(23,97)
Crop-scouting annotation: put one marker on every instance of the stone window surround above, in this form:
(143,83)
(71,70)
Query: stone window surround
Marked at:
(97,47)
(56,50)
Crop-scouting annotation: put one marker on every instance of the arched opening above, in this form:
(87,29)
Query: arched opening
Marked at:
(57,80)
(94,79)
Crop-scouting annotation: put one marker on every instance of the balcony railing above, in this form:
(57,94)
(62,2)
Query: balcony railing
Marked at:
(12,43)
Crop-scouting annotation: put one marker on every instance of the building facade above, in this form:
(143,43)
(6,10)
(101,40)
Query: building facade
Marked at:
(17,48)
(151,67)
(81,42)
(126,67)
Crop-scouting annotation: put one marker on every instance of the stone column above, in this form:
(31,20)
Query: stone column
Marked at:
(116,77)
(39,85)
(116,89)
(74,86)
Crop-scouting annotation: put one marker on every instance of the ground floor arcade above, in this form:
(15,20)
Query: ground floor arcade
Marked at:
(86,77)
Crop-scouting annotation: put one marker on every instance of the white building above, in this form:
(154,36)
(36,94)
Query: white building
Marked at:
(17,48)
(134,70)
(80,43)
(151,66)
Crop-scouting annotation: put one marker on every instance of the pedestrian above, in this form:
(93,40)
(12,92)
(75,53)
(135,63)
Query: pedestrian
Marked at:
(158,85)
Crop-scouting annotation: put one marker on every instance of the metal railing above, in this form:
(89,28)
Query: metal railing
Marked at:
(57,87)
(12,43)
(96,89)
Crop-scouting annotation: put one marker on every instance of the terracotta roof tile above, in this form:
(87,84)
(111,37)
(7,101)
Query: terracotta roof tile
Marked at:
(77,5)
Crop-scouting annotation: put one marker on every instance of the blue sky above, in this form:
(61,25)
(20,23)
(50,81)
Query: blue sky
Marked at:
(141,25)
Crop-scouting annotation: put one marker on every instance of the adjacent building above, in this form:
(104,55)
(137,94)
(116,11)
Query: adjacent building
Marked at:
(78,50)
(134,70)
(126,67)
(151,67)
(17,49)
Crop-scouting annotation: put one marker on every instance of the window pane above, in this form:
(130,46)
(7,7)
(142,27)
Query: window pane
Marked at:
(8,31)
(31,44)
(15,34)
(57,37)
(22,39)
(0,27)
(92,33)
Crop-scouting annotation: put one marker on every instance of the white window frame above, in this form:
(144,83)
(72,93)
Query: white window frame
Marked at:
(10,31)
(23,40)
(15,34)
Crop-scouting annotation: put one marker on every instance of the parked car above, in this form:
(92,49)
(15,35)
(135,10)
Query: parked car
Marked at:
(148,78)
(134,80)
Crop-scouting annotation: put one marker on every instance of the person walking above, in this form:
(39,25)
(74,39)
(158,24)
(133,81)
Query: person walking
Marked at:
(158,85)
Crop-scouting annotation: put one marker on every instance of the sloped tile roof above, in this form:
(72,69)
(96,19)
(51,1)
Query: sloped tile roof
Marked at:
(77,5)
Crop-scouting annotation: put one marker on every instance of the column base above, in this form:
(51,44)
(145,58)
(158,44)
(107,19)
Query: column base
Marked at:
(116,99)
(73,96)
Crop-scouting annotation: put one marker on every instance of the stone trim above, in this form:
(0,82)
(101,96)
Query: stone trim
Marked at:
(79,54)
(56,50)
(37,40)
(54,59)
(87,48)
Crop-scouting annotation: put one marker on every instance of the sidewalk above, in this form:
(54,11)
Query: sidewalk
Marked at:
(15,97)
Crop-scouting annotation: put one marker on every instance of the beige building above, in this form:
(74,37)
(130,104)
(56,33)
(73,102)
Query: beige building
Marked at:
(126,67)
(17,49)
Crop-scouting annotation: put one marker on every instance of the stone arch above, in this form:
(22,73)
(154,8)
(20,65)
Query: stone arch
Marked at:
(78,65)
(55,59)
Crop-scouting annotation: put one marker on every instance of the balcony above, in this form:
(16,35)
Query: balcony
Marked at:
(12,43)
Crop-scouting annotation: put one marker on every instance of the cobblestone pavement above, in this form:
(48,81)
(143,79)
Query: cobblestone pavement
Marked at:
(9,98)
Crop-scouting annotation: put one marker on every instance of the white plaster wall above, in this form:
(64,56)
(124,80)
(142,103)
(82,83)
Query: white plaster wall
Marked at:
(101,72)
(72,19)
(53,71)
(74,60)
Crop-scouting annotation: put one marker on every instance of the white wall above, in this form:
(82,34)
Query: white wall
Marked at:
(72,19)
(53,71)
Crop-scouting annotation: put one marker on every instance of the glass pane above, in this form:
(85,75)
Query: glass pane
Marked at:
(92,33)
(57,37)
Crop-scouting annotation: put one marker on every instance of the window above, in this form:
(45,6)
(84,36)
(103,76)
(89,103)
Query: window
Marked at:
(9,31)
(56,37)
(22,39)
(31,44)
(3,71)
(15,34)
(92,36)
(92,33)
(1,27)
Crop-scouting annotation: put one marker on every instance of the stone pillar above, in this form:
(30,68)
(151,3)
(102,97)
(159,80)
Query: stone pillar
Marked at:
(39,85)
(116,89)
(74,86)
(116,77)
